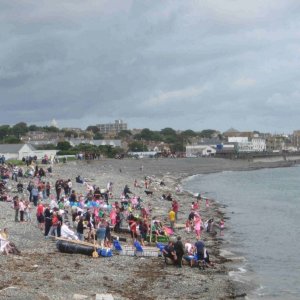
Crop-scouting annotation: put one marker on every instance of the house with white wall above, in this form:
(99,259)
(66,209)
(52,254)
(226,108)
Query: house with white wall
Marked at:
(200,150)
(18,151)
(258,144)
(244,144)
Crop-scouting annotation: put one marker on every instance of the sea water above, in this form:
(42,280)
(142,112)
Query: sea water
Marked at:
(263,207)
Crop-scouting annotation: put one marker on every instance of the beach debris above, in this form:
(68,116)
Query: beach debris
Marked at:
(104,297)
(80,297)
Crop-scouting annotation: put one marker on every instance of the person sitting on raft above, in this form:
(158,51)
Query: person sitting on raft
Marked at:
(168,252)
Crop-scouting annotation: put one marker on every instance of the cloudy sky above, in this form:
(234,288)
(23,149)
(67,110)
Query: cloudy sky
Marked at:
(154,64)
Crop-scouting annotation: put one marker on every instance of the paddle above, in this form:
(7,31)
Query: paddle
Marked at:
(95,253)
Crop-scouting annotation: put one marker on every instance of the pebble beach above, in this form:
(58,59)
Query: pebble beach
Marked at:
(42,272)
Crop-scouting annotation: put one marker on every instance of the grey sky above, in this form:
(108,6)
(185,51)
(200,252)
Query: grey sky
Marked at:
(181,64)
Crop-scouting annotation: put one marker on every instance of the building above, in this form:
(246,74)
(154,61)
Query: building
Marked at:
(112,128)
(238,139)
(235,133)
(18,151)
(275,143)
(35,136)
(200,150)
(244,144)
(295,139)
(114,143)
(259,144)
(145,154)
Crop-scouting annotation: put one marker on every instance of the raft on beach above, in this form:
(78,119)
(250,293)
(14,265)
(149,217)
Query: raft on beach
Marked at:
(80,247)
(75,246)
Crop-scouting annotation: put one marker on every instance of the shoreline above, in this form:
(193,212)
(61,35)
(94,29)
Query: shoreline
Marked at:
(152,280)
(233,262)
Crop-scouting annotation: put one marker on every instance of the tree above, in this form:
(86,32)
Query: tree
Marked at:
(156,136)
(137,146)
(98,136)
(88,134)
(220,137)
(188,133)
(168,132)
(124,134)
(146,134)
(208,133)
(46,147)
(94,129)
(33,128)
(19,129)
(4,131)
(50,129)
(71,133)
(11,140)
(177,147)
(84,147)
(109,151)
(63,146)
(170,139)
(169,135)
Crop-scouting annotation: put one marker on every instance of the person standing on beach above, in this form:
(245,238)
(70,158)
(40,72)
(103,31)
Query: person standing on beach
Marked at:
(21,210)
(40,216)
(48,188)
(207,204)
(29,189)
(179,249)
(27,211)
(172,218)
(100,233)
(48,219)
(222,225)
(175,208)
(16,208)
(197,225)
(200,249)
(54,225)
(58,188)
(35,195)
(133,228)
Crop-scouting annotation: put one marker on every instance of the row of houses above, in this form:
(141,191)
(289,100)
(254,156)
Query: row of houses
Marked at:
(236,142)
(241,145)
(75,142)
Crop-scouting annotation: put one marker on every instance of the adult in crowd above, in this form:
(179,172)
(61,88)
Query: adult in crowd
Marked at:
(16,207)
(168,252)
(179,250)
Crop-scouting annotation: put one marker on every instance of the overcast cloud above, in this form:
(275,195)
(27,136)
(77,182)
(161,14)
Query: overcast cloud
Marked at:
(181,64)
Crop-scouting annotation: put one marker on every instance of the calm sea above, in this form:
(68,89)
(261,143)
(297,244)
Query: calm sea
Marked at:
(264,226)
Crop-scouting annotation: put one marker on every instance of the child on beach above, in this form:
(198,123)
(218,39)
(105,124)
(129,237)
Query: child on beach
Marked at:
(21,210)
(221,225)
(197,225)
(206,203)
(195,206)
(27,211)
(188,226)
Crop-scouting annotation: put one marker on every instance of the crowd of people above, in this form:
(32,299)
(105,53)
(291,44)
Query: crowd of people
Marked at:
(61,211)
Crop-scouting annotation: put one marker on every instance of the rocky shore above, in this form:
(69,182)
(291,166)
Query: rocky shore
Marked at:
(41,272)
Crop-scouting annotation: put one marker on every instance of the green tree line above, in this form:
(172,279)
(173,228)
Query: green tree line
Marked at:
(136,142)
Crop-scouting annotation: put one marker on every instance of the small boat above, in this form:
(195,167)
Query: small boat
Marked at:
(75,246)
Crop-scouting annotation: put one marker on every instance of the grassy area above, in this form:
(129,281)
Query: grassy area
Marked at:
(15,162)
